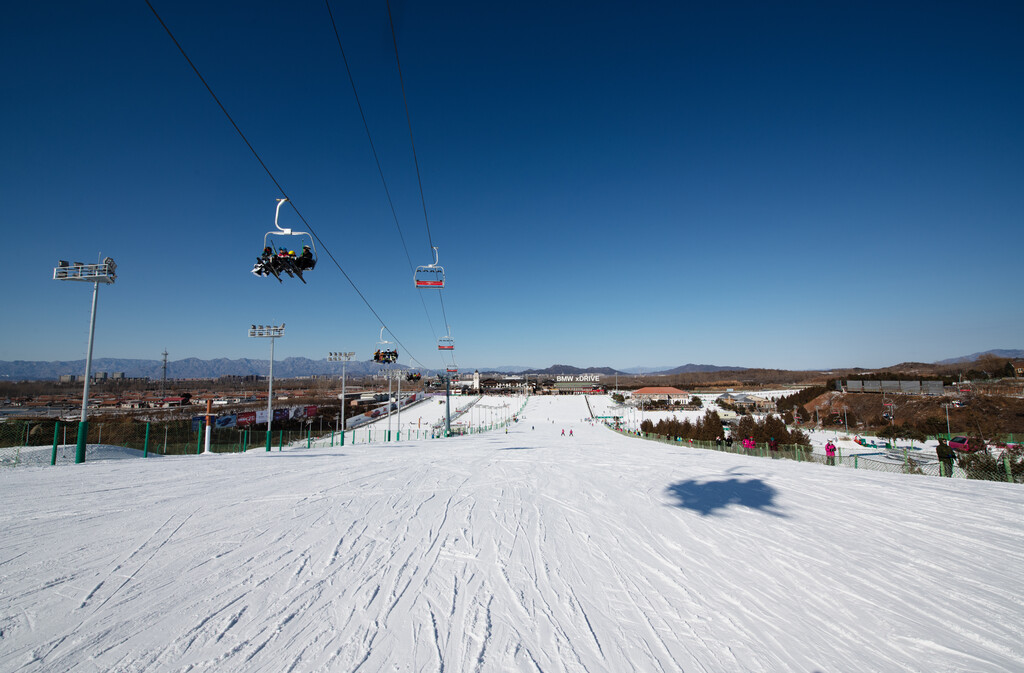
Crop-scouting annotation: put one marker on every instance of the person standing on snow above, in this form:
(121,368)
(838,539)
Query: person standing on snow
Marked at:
(830,452)
(945,454)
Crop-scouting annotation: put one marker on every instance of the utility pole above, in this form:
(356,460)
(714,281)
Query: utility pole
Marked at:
(163,381)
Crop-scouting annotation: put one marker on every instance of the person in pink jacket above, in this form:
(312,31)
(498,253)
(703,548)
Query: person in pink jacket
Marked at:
(830,453)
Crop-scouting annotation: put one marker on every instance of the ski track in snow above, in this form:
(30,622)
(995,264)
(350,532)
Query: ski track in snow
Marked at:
(523,551)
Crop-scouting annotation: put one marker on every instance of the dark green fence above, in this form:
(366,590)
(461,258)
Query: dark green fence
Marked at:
(32,442)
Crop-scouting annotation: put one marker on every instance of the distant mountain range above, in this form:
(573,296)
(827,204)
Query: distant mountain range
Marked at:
(1012,354)
(194,368)
(189,368)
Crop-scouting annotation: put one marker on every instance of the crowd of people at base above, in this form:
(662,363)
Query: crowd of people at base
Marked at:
(385,356)
(285,261)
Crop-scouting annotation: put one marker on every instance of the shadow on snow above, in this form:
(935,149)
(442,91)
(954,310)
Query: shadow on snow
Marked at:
(708,497)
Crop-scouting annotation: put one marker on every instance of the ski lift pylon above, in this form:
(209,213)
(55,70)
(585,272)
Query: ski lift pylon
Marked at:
(429,276)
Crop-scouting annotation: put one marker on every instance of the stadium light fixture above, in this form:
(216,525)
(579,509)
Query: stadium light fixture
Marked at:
(104,272)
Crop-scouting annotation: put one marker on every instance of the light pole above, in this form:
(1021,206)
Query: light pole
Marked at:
(271,332)
(398,418)
(105,272)
(343,358)
(397,375)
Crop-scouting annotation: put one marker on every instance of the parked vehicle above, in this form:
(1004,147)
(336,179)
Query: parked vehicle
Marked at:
(966,445)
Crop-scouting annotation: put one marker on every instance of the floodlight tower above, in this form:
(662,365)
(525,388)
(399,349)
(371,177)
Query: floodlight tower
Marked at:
(343,358)
(271,332)
(397,375)
(104,272)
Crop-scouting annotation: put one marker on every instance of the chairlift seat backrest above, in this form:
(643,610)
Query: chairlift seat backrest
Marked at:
(429,277)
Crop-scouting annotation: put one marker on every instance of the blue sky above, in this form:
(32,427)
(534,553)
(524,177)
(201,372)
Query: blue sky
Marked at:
(791,185)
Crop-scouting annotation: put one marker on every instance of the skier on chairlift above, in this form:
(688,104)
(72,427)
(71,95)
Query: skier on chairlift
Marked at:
(266,264)
(285,261)
(305,261)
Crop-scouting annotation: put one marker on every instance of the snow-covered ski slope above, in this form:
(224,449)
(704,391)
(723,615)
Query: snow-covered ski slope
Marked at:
(525,551)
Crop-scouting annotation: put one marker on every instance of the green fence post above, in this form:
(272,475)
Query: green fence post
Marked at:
(1009,473)
(855,459)
(145,447)
(840,452)
(942,469)
(280,440)
(199,443)
(309,436)
(341,441)
(56,430)
(83,434)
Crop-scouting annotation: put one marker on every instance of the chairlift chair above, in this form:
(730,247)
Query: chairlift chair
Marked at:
(446,343)
(281,231)
(384,352)
(430,276)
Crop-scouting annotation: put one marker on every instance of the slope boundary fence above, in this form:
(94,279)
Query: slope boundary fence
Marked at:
(1000,468)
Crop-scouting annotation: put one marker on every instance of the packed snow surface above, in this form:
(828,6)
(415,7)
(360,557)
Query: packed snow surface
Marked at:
(525,551)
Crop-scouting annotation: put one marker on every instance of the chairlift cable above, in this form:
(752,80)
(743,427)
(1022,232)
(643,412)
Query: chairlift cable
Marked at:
(415,159)
(312,232)
(376,157)
(408,119)
(366,127)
